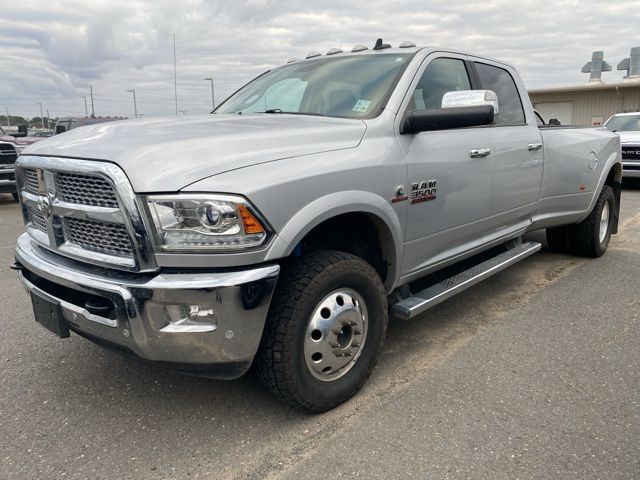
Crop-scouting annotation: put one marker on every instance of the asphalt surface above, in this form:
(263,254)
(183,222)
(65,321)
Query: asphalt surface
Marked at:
(535,373)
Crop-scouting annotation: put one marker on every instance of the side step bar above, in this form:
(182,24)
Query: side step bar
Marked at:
(432,296)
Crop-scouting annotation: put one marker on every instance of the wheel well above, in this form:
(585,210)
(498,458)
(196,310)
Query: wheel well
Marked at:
(359,234)
(614,180)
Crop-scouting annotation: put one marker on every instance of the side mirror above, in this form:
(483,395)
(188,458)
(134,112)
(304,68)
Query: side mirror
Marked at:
(554,121)
(60,129)
(470,98)
(22,131)
(458,117)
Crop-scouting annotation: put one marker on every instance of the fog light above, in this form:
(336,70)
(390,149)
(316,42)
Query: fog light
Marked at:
(190,318)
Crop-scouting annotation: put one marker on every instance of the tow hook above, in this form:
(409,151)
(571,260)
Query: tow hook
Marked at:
(16,266)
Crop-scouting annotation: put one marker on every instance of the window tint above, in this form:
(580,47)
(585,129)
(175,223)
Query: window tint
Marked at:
(501,82)
(442,75)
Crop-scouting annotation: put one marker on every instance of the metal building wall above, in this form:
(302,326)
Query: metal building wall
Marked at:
(594,103)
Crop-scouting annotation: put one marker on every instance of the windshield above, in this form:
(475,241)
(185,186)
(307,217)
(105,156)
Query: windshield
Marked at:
(354,86)
(624,123)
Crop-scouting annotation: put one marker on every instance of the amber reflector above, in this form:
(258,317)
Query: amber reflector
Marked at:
(251,225)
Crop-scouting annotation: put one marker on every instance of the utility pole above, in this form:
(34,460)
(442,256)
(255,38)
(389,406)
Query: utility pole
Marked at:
(86,110)
(175,73)
(135,105)
(8,121)
(213,99)
(93,112)
(41,115)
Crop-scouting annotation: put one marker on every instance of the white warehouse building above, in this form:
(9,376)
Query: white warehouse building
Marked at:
(592,103)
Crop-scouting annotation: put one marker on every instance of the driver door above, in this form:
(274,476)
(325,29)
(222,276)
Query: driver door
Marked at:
(449,189)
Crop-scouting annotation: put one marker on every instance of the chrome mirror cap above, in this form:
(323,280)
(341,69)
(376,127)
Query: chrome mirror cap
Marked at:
(470,98)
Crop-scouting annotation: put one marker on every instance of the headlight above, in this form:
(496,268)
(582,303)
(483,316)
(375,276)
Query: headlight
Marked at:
(19,148)
(205,222)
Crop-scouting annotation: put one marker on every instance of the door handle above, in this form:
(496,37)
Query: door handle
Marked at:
(479,152)
(534,146)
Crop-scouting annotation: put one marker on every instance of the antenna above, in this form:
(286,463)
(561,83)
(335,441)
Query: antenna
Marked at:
(380,46)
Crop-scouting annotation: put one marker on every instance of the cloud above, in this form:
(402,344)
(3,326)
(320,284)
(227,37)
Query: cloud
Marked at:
(53,50)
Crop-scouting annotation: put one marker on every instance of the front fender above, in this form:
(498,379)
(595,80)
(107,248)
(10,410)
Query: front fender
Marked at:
(338,203)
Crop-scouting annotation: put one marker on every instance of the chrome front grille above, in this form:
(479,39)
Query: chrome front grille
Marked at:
(31,181)
(631,152)
(7,154)
(84,210)
(85,190)
(109,238)
(38,220)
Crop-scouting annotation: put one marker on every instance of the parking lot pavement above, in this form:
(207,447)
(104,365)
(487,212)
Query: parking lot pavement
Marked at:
(534,373)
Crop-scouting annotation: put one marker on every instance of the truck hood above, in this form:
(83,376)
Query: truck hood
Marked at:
(629,137)
(167,154)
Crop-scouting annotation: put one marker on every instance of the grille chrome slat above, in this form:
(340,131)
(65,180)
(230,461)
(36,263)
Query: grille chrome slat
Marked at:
(85,190)
(38,220)
(108,238)
(31,181)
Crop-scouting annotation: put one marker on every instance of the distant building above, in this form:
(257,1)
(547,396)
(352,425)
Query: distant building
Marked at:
(595,101)
(589,104)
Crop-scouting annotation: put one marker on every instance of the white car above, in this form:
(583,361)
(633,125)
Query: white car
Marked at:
(627,126)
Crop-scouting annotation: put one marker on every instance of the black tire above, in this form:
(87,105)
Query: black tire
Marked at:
(584,238)
(15,196)
(304,283)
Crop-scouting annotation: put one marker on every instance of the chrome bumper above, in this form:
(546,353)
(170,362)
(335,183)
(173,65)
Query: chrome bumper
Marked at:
(631,168)
(223,346)
(7,184)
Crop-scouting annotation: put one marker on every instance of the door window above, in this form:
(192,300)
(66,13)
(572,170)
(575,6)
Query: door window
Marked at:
(442,75)
(501,82)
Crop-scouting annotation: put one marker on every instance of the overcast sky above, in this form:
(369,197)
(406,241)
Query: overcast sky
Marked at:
(50,51)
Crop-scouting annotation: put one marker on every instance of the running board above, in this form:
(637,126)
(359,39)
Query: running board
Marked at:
(432,296)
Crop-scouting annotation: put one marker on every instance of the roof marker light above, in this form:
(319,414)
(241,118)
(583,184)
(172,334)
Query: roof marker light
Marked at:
(333,51)
(359,48)
(313,54)
(407,44)
(294,59)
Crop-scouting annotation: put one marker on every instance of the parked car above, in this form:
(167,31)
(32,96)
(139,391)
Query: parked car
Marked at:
(69,123)
(318,200)
(627,126)
(10,147)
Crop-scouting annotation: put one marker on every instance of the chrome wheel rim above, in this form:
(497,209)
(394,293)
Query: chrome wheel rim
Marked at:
(336,334)
(604,222)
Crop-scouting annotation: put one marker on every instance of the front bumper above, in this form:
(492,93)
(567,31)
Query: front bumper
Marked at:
(7,179)
(631,168)
(140,324)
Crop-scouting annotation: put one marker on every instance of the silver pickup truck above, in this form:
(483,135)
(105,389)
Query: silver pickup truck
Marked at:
(322,198)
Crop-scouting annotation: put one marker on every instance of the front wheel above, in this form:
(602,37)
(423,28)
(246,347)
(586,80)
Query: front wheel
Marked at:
(325,330)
